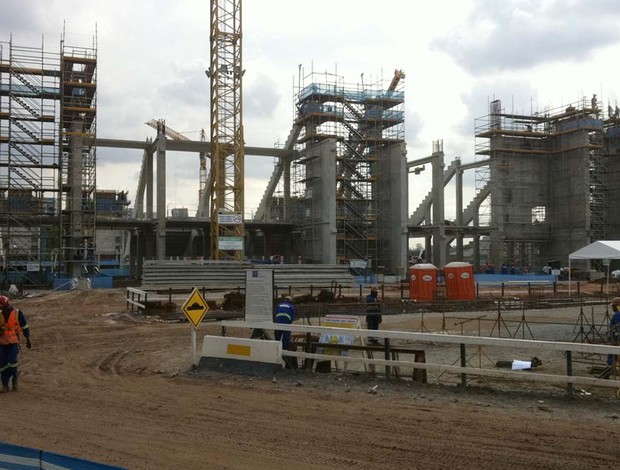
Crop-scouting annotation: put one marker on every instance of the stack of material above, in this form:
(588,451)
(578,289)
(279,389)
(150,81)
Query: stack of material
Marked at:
(181,275)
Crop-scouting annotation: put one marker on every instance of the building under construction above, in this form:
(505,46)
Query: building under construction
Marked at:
(338,193)
(550,176)
(346,192)
(48,110)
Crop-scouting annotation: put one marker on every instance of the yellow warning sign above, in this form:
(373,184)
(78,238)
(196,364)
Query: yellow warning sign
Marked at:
(195,308)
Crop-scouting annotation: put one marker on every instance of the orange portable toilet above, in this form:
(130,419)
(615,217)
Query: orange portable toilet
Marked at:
(423,282)
(459,281)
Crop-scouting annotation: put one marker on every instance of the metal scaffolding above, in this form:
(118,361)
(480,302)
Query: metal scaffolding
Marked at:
(225,73)
(29,161)
(548,177)
(47,161)
(362,123)
(78,123)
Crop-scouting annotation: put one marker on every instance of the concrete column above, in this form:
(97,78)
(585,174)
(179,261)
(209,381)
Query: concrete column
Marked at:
(267,244)
(428,246)
(133,243)
(459,210)
(149,184)
(287,188)
(477,261)
(140,253)
(439,231)
(393,210)
(161,194)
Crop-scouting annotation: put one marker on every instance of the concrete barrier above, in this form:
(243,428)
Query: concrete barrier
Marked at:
(242,349)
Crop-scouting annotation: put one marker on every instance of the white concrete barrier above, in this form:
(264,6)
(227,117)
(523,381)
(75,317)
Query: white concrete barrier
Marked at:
(255,350)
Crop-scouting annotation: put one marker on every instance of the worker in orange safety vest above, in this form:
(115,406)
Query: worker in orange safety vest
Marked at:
(12,323)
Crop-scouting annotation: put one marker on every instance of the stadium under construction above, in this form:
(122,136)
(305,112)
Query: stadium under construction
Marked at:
(338,193)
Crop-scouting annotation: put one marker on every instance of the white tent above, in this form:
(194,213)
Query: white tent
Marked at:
(602,249)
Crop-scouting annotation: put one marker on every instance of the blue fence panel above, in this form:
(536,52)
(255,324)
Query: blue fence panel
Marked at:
(61,462)
(370,279)
(512,278)
(101,282)
(115,272)
(24,458)
(62,283)
(19,458)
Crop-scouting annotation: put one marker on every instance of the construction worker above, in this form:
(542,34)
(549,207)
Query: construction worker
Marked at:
(13,323)
(284,314)
(614,331)
(373,313)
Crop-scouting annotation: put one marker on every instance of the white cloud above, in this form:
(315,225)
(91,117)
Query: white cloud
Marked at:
(518,34)
(457,56)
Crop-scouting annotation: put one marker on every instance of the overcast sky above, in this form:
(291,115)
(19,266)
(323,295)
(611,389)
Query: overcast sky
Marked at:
(457,56)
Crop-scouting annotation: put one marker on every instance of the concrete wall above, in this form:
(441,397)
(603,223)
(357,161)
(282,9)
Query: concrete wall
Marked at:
(321,201)
(393,210)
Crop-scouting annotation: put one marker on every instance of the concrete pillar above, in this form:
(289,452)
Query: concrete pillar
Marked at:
(148,243)
(321,183)
(267,244)
(133,243)
(439,231)
(149,185)
(287,188)
(75,202)
(140,253)
(428,246)
(393,210)
(459,210)
(477,261)
(161,194)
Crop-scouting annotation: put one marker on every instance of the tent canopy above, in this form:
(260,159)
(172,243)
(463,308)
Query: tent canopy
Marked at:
(602,249)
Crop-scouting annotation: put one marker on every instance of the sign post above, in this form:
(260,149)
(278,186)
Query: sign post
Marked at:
(194,309)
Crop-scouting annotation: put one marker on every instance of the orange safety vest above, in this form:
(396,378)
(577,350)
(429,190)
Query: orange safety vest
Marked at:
(11,329)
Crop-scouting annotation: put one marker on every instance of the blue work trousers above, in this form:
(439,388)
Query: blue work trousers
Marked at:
(8,362)
(284,336)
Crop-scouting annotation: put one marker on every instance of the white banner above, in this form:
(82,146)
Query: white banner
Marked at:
(233,218)
(230,243)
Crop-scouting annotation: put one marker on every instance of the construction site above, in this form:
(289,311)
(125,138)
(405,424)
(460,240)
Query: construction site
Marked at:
(338,194)
(117,374)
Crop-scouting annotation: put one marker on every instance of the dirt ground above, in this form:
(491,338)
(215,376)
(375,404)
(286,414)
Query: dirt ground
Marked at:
(103,384)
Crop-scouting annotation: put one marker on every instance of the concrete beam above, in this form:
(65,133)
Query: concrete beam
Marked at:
(191,146)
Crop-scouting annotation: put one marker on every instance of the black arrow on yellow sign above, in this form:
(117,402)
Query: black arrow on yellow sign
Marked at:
(195,307)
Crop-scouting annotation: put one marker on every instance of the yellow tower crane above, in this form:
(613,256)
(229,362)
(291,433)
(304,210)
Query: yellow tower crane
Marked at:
(227,147)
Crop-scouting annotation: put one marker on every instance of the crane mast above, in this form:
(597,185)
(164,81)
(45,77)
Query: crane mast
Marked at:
(227,146)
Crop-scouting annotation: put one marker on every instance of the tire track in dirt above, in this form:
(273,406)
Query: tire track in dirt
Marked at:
(111,364)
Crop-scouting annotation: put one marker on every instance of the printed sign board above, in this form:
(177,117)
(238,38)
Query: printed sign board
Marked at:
(230,243)
(259,295)
(233,218)
(338,321)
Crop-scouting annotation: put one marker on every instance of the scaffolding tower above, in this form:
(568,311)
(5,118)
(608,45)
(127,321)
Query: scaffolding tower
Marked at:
(78,126)
(47,161)
(29,161)
(548,176)
(351,143)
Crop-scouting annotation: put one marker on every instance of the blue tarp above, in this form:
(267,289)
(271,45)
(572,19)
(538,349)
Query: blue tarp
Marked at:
(512,278)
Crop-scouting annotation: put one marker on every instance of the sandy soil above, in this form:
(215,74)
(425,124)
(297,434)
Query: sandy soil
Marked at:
(105,385)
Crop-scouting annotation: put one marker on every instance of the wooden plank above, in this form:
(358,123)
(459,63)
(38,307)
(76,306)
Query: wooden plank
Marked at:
(437,338)
(532,376)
